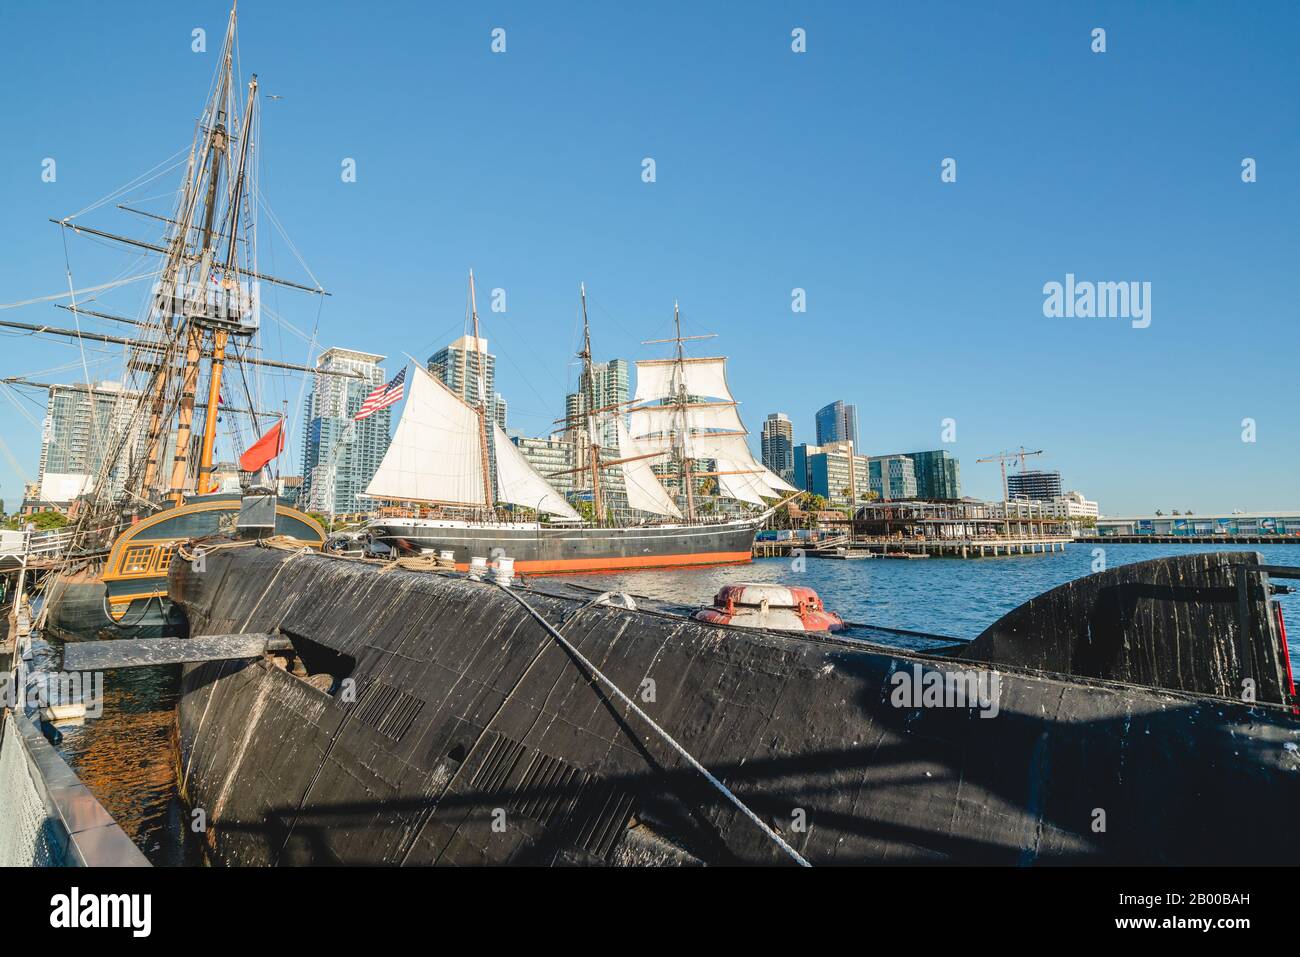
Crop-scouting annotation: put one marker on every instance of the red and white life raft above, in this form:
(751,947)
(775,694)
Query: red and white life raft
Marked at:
(763,605)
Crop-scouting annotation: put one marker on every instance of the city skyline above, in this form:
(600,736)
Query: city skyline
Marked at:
(837,422)
(779,166)
(340,454)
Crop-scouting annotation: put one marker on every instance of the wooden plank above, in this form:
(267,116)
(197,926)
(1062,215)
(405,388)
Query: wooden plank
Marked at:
(143,653)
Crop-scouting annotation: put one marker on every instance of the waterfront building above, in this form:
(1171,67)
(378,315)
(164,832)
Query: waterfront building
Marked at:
(1279,522)
(778,445)
(938,475)
(892,477)
(56,492)
(831,471)
(1072,507)
(609,388)
(963,528)
(457,366)
(341,455)
(837,422)
(1072,504)
(81,422)
(1033,484)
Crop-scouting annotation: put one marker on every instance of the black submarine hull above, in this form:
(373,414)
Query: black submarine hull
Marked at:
(458,731)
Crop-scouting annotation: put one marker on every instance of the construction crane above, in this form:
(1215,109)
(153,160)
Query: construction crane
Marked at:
(1003,457)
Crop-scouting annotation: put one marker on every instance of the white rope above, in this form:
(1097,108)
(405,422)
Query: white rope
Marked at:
(64,295)
(275,221)
(145,177)
(13,462)
(91,405)
(36,423)
(596,672)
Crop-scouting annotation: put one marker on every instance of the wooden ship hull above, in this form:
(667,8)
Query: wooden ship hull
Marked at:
(124,595)
(78,610)
(432,719)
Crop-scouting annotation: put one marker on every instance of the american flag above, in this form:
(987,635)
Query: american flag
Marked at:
(383,396)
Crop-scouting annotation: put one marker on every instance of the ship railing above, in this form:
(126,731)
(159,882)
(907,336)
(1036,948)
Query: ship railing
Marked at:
(43,544)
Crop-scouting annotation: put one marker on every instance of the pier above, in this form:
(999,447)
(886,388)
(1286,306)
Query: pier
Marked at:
(1190,540)
(931,529)
(48,818)
(848,548)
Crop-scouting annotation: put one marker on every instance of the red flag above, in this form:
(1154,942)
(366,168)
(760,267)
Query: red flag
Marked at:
(264,449)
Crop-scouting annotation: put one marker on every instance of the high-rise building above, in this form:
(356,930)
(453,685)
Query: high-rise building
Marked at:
(609,388)
(778,444)
(938,475)
(1035,485)
(457,365)
(830,471)
(552,457)
(341,455)
(82,425)
(837,422)
(892,477)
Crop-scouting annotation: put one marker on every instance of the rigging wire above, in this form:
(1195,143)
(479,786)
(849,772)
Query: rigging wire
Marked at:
(134,183)
(76,292)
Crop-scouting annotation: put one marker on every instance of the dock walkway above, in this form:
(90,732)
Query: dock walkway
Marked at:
(48,818)
(913,547)
(1190,540)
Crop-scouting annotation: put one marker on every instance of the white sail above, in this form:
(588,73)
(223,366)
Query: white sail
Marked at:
(699,415)
(742,483)
(726,445)
(435,455)
(776,483)
(753,482)
(658,378)
(520,484)
(645,492)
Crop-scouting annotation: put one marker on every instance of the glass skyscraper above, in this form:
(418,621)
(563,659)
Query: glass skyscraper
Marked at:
(82,423)
(609,388)
(837,422)
(467,353)
(778,445)
(338,462)
(938,475)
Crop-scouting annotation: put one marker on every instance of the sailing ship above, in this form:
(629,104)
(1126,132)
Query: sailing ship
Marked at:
(156,486)
(680,434)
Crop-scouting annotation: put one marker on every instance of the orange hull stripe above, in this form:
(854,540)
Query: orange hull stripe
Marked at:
(624,563)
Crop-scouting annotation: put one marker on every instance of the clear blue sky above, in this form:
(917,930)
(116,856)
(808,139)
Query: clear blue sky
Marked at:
(775,170)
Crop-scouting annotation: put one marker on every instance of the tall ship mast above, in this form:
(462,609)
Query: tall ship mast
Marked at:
(195,346)
(681,427)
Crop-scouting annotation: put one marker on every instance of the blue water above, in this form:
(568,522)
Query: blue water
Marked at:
(946,596)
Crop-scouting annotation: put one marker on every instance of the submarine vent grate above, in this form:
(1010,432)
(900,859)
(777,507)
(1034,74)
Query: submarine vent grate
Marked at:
(546,791)
(502,756)
(390,711)
(601,817)
(587,812)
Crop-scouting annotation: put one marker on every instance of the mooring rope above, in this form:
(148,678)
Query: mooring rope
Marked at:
(690,759)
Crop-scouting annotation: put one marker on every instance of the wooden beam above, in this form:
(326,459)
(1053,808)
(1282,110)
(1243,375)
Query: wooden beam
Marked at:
(132,653)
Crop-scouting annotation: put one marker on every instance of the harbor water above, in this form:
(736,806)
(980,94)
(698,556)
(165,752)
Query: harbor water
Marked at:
(127,756)
(954,597)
